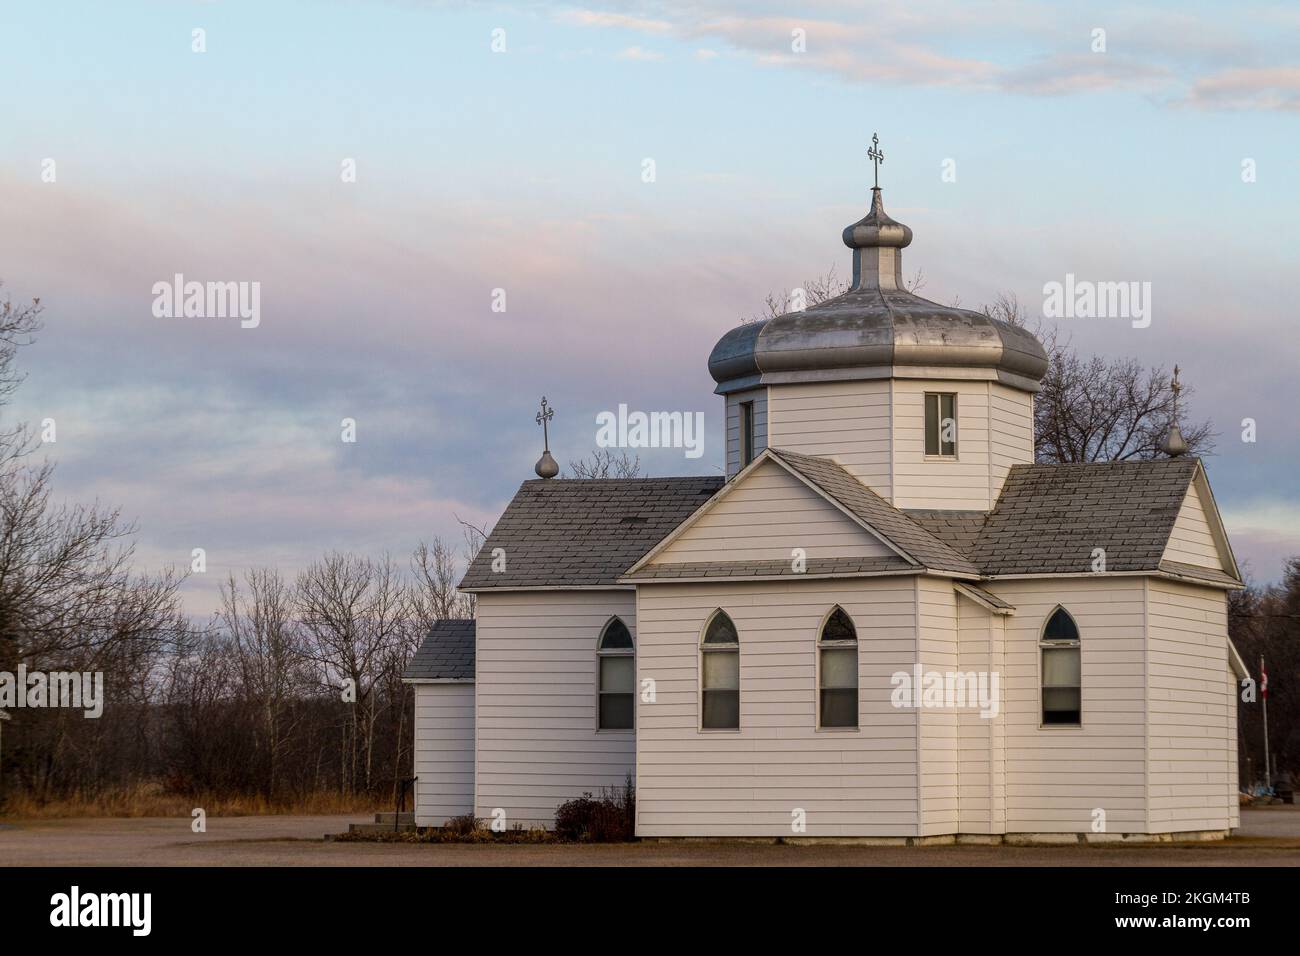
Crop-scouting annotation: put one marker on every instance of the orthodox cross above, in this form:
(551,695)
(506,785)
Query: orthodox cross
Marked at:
(544,416)
(877,156)
(1175,387)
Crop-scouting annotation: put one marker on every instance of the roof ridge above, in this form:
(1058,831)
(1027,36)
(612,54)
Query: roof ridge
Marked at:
(950,558)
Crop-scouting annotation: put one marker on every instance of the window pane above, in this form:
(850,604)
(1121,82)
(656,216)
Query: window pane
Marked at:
(932,424)
(615,711)
(721,709)
(1061,667)
(948,424)
(840,667)
(721,670)
(721,630)
(616,636)
(746,433)
(618,675)
(1061,705)
(839,707)
(1061,627)
(839,627)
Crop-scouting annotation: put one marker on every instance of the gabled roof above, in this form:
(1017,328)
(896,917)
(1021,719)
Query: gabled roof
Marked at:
(877,514)
(445,655)
(582,533)
(1050,518)
(914,547)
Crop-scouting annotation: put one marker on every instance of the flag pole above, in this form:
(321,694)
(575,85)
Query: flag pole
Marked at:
(1268,772)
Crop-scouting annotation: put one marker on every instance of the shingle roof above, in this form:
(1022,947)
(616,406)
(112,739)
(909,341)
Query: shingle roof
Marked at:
(447,653)
(957,529)
(767,569)
(1049,518)
(583,532)
(1191,571)
(897,528)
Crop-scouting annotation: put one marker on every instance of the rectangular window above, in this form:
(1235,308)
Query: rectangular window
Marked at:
(941,424)
(746,433)
(617,684)
(721,689)
(839,692)
(1062,685)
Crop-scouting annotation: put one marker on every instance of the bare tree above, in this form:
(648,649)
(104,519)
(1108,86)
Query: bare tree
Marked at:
(602,463)
(434,596)
(353,611)
(267,649)
(1100,409)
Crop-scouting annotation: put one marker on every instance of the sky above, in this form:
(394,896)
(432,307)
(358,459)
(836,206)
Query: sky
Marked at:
(382,169)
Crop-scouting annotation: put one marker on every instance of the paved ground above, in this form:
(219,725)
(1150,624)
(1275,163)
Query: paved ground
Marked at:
(1269,836)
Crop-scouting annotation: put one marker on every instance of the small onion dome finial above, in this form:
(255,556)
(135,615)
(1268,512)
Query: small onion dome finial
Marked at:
(1174,444)
(546,466)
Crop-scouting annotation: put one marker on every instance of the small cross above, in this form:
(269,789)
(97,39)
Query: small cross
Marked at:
(544,416)
(877,156)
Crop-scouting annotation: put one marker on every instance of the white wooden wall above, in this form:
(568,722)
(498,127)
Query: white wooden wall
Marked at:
(1193,710)
(444,752)
(693,782)
(765,516)
(537,744)
(849,421)
(1055,775)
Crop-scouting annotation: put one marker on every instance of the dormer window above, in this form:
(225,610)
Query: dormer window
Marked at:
(940,425)
(746,433)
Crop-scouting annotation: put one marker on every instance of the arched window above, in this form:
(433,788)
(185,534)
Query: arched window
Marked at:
(720,666)
(616,659)
(1062,688)
(837,671)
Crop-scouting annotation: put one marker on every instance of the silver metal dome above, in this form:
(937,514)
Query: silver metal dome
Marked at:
(877,329)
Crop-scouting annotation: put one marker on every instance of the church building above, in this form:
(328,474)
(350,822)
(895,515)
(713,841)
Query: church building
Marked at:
(886,621)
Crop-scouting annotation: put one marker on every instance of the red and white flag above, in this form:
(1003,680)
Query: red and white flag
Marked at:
(1263,680)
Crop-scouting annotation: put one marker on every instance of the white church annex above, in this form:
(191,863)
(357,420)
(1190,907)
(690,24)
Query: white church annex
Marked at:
(750,649)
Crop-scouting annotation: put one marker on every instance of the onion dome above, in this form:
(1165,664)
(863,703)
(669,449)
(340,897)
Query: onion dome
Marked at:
(877,329)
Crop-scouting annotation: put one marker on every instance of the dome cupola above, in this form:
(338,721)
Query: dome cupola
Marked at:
(877,329)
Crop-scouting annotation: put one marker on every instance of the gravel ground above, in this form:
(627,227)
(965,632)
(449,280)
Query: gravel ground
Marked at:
(1269,836)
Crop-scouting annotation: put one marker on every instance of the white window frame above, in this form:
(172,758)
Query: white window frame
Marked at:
(1043,645)
(834,645)
(603,652)
(732,648)
(956,427)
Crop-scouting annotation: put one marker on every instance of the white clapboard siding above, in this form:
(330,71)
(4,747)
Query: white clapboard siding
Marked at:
(1193,708)
(1191,541)
(758,397)
(848,421)
(1011,433)
(981,756)
(694,782)
(537,743)
(444,752)
(1055,777)
(766,515)
(937,614)
(960,483)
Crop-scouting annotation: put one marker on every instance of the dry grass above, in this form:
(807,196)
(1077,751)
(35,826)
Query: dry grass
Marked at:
(154,800)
